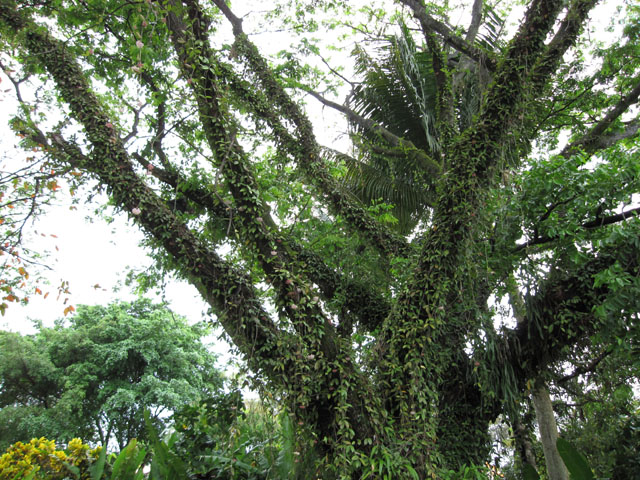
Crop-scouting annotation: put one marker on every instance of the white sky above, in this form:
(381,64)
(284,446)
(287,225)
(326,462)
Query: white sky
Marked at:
(90,254)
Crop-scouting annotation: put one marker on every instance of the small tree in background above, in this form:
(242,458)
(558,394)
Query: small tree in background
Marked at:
(93,374)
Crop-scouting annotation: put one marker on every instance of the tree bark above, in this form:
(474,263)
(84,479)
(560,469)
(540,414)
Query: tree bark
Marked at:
(524,447)
(548,432)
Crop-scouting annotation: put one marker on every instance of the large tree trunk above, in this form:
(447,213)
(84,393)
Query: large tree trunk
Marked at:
(548,432)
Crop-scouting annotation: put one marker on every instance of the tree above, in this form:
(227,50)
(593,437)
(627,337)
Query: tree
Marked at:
(387,347)
(94,376)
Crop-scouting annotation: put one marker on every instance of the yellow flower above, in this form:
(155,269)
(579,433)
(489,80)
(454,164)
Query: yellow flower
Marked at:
(76,444)
(40,455)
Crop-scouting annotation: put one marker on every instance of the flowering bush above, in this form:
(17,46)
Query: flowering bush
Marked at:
(40,457)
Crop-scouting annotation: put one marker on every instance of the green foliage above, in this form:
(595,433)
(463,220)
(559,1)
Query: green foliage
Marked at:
(529,473)
(39,459)
(128,465)
(399,88)
(605,427)
(221,438)
(95,373)
(575,462)
(363,285)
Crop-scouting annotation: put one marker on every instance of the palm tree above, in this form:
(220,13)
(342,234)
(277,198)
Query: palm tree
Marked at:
(398,92)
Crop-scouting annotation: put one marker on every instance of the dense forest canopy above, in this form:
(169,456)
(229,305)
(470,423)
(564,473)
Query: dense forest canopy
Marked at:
(470,245)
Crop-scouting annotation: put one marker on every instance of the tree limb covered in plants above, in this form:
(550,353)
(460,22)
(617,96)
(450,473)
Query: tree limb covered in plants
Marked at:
(308,151)
(431,25)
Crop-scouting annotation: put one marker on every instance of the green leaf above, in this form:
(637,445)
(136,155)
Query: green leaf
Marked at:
(529,473)
(575,462)
(98,467)
(128,464)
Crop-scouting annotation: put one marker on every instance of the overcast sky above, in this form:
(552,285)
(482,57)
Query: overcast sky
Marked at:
(83,249)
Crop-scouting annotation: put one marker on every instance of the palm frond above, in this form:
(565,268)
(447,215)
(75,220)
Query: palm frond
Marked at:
(398,90)
(371,183)
(492,28)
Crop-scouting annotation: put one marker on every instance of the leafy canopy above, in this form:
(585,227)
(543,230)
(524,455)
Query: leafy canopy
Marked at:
(93,374)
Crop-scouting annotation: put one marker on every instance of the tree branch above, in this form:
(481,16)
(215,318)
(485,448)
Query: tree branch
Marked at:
(430,25)
(476,19)
(136,121)
(508,92)
(444,97)
(562,297)
(590,367)
(305,149)
(593,224)
(565,37)
(595,138)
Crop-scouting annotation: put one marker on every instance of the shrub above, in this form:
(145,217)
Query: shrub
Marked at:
(40,459)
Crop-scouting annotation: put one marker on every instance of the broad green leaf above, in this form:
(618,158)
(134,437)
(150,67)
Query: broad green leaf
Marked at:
(575,462)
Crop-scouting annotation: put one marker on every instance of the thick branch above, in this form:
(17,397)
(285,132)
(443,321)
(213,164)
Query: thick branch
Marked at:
(605,141)
(510,86)
(430,25)
(476,19)
(595,139)
(444,97)
(561,313)
(306,150)
(565,37)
